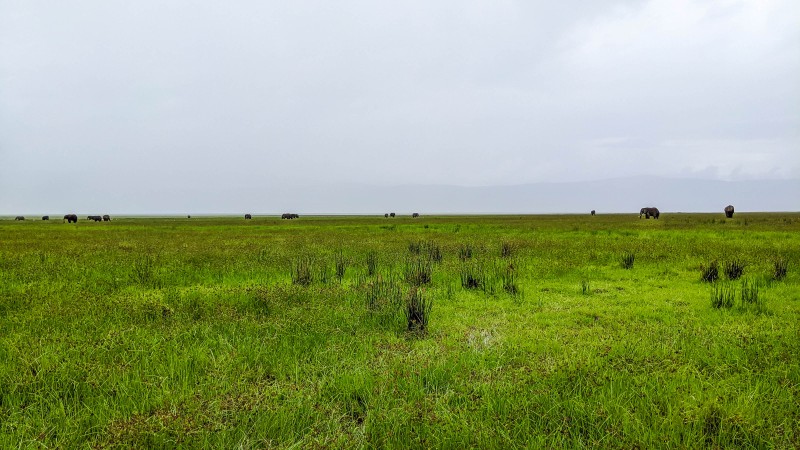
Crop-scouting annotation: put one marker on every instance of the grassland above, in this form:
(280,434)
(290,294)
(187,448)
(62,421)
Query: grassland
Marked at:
(221,332)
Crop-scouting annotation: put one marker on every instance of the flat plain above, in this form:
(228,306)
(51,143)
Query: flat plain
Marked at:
(510,331)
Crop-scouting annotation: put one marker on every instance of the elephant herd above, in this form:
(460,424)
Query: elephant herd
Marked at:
(413,215)
(73,218)
(647,212)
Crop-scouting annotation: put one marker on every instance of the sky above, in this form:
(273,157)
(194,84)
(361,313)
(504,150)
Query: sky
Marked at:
(200,106)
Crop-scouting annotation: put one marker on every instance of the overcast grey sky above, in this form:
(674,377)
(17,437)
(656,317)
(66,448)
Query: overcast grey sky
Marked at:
(146,106)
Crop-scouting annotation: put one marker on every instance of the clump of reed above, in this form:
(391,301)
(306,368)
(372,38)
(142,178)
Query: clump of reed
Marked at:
(722,295)
(372,262)
(710,273)
(586,287)
(303,270)
(430,249)
(734,268)
(465,252)
(417,311)
(506,249)
(434,251)
(417,271)
(627,260)
(473,276)
(341,264)
(508,277)
(750,296)
(779,267)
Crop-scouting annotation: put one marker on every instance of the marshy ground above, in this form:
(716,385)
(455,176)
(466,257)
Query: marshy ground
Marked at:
(436,332)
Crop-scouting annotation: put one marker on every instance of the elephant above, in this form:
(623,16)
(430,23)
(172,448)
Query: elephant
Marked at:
(729,211)
(386,216)
(45,217)
(649,212)
(95,218)
(106,218)
(248,216)
(19,218)
(71,218)
(289,216)
(592,212)
(414,215)
(392,214)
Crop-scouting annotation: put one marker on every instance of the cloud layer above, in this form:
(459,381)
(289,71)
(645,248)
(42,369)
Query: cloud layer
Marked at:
(131,100)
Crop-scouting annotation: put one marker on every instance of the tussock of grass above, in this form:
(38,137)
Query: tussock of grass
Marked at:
(418,271)
(418,311)
(341,265)
(302,271)
(472,276)
(506,250)
(710,273)
(627,260)
(779,268)
(734,268)
(372,262)
(465,252)
(722,295)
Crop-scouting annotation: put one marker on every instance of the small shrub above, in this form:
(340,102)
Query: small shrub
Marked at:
(418,271)
(722,295)
(465,252)
(734,269)
(302,271)
(627,260)
(417,311)
(710,274)
(372,262)
(779,267)
(506,250)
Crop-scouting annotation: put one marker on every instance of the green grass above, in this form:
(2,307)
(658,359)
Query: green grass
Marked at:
(226,333)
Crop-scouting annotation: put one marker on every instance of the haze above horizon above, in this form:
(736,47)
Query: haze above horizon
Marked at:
(151,107)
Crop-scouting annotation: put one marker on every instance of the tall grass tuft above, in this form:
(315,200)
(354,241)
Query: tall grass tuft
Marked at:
(473,276)
(722,295)
(341,265)
(434,251)
(750,296)
(418,271)
(586,288)
(414,247)
(372,262)
(506,249)
(465,252)
(417,311)
(779,267)
(710,273)
(627,260)
(508,276)
(734,269)
(384,299)
(302,271)
(144,271)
